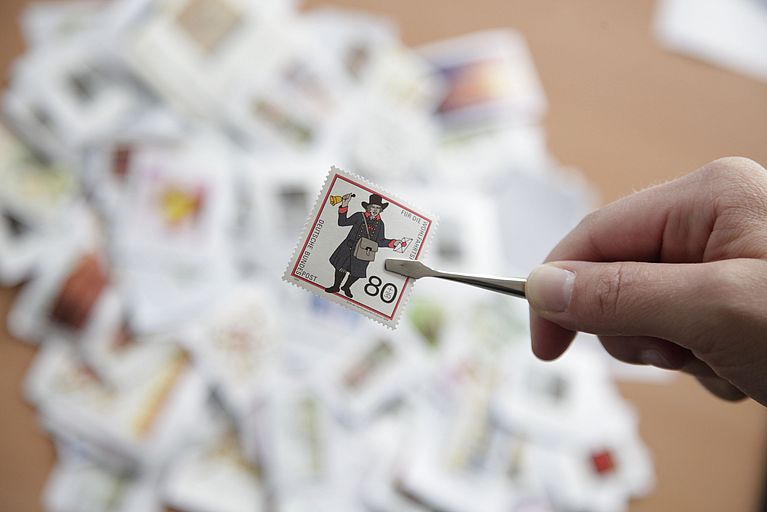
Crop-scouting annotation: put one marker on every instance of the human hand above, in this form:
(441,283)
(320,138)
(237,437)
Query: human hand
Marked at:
(674,276)
(346,199)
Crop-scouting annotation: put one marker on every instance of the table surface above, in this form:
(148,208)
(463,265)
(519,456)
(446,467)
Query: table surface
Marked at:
(625,112)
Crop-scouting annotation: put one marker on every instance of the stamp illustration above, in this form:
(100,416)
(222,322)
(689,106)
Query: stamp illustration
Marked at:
(353,229)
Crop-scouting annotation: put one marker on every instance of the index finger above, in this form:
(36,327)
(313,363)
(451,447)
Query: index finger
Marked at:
(670,222)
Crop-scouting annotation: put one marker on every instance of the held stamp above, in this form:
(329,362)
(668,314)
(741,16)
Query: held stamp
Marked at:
(354,227)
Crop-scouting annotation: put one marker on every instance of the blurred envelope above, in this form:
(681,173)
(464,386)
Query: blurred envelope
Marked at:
(728,33)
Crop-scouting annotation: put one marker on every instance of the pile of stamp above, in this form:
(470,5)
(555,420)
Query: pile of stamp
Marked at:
(158,162)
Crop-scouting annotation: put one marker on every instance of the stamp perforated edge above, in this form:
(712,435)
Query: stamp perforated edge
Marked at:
(305,232)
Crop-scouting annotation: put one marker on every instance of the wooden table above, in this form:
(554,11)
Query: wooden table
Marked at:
(622,110)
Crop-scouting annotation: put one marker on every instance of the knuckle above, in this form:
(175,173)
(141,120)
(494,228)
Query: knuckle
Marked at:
(587,227)
(609,290)
(739,184)
(588,220)
(734,173)
(732,166)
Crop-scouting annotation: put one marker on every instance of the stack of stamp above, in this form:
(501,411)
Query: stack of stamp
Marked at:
(166,164)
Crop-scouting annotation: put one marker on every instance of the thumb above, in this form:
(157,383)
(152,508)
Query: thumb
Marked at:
(626,298)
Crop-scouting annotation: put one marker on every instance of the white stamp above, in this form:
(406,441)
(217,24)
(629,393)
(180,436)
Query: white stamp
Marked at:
(354,227)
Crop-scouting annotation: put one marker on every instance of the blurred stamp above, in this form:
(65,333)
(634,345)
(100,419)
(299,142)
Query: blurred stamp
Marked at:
(209,22)
(354,227)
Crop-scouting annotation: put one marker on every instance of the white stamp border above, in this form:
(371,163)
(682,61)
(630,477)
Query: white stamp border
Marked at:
(320,203)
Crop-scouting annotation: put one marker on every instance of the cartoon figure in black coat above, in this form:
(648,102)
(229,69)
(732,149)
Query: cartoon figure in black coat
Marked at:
(367,224)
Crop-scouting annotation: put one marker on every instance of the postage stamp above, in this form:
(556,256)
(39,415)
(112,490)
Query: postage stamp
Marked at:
(354,227)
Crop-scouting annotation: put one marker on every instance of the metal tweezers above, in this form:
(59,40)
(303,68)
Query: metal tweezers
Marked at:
(413,268)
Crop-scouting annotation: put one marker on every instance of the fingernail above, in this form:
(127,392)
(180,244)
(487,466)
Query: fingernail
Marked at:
(550,288)
(654,358)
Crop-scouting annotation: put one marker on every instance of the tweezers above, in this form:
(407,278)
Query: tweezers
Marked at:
(413,268)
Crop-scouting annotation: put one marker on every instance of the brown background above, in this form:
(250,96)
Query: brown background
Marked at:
(622,110)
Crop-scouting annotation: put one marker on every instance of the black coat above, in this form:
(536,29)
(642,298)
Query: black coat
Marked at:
(342,258)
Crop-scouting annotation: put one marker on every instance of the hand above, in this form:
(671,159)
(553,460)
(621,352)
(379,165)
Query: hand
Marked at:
(674,276)
(346,199)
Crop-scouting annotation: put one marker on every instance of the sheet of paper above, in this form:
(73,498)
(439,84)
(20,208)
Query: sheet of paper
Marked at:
(728,33)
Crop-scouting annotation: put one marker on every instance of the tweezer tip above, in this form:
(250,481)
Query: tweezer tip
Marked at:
(393,264)
(406,267)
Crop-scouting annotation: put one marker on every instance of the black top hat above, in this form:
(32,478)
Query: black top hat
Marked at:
(375,199)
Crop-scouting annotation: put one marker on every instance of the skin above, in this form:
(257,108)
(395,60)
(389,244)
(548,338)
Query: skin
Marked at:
(674,276)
